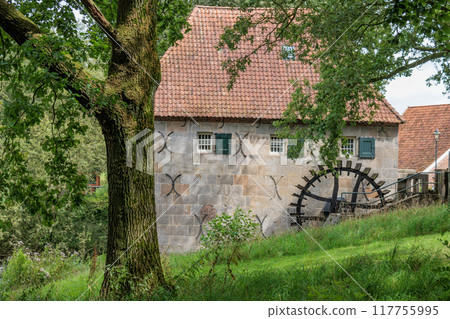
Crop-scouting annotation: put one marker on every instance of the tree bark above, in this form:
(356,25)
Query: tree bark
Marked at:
(132,238)
(132,76)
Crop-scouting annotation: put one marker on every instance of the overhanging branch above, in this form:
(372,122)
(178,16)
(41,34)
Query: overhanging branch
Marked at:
(418,62)
(100,19)
(21,29)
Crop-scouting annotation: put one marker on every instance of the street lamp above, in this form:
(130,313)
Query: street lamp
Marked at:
(436,137)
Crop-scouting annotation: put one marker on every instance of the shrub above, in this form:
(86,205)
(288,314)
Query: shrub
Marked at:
(28,269)
(226,230)
(225,238)
(82,229)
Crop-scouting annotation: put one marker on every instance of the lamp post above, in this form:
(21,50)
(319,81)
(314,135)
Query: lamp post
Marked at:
(436,137)
(436,134)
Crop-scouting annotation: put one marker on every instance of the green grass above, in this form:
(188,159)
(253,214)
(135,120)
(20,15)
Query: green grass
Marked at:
(71,286)
(390,270)
(392,256)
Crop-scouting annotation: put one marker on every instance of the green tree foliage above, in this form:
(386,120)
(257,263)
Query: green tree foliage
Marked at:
(355,47)
(80,229)
(47,139)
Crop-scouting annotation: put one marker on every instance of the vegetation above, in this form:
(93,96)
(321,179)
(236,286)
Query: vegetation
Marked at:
(82,229)
(225,241)
(60,67)
(400,255)
(57,67)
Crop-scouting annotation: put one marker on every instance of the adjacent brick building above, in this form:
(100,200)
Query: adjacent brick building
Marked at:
(417,146)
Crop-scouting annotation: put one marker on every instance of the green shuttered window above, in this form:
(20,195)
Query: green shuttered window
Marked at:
(223,143)
(367,147)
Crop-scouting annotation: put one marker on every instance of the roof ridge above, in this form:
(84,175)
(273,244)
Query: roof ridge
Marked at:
(214,7)
(430,105)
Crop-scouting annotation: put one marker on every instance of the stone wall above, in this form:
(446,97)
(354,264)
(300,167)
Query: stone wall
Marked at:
(213,184)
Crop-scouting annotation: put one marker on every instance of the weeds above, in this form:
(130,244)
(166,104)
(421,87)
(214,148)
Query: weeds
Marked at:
(28,270)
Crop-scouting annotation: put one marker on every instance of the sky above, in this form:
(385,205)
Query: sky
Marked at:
(412,91)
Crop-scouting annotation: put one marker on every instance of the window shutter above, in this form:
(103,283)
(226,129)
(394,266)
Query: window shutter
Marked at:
(367,147)
(300,142)
(223,142)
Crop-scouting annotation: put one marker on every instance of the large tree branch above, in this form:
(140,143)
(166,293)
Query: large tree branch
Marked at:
(16,24)
(419,48)
(102,22)
(21,29)
(408,66)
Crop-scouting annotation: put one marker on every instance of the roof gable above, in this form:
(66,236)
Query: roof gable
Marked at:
(194,83)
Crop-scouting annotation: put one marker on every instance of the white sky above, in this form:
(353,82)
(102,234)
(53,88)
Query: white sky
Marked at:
(411,91)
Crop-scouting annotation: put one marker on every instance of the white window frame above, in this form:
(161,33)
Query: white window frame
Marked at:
(277,145)
(205,142)
(351,140)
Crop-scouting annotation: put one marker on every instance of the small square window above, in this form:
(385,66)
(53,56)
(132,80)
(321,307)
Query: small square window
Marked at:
(276,145)
(204,142)
(288,52)
(348,148)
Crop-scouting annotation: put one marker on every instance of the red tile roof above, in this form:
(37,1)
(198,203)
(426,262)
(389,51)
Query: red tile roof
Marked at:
(194,83)
(416,140)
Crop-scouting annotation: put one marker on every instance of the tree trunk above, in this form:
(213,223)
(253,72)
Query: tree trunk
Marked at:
(132,77)
(132,237)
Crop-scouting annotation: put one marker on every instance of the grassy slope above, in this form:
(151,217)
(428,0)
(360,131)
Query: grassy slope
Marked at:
(397,269)
(393,256)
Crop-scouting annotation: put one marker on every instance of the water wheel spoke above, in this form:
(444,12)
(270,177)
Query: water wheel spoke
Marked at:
(334,196)
(355,190)
(317,197)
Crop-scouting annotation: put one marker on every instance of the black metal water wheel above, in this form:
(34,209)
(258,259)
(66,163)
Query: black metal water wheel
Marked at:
(332,203)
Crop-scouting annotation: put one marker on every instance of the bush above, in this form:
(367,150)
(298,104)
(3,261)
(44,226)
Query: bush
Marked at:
(27,270)
(225,238)
(82,229)
(227,230)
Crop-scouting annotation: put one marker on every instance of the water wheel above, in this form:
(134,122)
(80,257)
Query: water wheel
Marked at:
(323,187)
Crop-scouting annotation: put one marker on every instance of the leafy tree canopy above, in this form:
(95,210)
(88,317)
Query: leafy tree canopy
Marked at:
(355,47)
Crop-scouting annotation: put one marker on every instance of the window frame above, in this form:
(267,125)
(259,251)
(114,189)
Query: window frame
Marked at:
(283,145)
(354,151)
(199,144)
